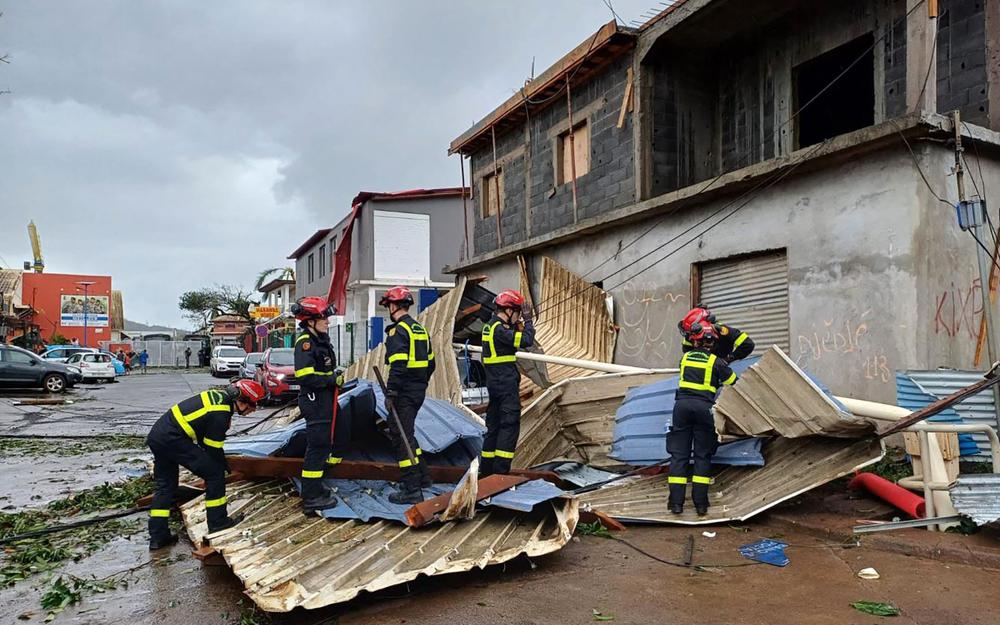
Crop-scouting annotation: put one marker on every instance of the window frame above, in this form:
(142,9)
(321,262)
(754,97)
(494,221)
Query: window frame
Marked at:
(322,260)
(562,141)
(311,268)
(488,190)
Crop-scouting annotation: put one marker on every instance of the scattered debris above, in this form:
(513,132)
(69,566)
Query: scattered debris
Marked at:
(708,534)
(599,616)
(978,497)
(879,526)
(876,608)
(63,447)
(767,551)
(868,573)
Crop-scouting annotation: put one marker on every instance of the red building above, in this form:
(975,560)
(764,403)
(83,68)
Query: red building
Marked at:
(57,300)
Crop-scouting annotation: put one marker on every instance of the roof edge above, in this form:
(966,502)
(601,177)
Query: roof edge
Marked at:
(316,236)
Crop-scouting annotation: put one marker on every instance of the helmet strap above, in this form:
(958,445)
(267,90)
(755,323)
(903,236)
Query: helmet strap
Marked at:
(396,311)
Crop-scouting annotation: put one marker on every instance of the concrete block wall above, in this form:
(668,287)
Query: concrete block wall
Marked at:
(961,60)
(894,47)
(533,203)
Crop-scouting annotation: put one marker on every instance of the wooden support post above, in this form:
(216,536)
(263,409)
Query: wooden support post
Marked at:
(496,185)
(572,146)
(466,252)
(627,99)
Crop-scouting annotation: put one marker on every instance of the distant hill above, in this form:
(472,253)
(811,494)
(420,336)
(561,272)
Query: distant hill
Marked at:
(135,326)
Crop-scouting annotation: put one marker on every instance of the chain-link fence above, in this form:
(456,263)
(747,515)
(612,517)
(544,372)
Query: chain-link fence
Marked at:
(164,353)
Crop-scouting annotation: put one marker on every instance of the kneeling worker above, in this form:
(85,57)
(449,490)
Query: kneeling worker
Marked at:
(503,335)
(410,357)
(701,375)
(190,435)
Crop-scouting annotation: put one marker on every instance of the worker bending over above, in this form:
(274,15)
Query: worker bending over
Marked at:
(731,345)
(701,375)
(190,435)
(410,357)
(505,333)
(316,372)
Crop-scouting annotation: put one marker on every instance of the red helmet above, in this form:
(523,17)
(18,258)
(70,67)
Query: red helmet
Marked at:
(397,295)
(509,299)
(249,391)
(312,308)
(694,320)
(704,331)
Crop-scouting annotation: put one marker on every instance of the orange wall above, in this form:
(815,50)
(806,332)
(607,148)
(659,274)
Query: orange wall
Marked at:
(43,291)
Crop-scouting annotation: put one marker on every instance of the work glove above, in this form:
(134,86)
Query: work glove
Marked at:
(526,315)
(338,376)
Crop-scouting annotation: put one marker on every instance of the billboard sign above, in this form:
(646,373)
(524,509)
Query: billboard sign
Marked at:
(71,310)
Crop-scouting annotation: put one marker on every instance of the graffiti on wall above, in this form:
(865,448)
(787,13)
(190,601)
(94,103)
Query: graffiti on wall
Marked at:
(647,327)
(845,341)
(958,310)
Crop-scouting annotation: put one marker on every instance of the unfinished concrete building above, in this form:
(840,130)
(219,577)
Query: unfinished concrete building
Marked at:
(786,162)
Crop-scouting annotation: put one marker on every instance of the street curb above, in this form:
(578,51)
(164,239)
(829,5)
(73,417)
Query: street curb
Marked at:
(907,542)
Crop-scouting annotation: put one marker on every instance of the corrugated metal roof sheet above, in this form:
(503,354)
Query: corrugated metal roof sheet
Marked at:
(975,409)
(978,497)
(643,421)
(576,473)
(524,497)
(911,396)
(287,560)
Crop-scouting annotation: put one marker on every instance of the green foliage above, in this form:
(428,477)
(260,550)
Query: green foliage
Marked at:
(200,305)
(67,590)
(265,276)
(593,529)
(67,447)
(876,608)
(598,616)
(105,497)
(58,339)
(893,467)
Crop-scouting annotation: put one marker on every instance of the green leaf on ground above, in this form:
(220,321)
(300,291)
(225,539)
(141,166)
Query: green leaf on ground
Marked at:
(876,608)
(598,616)
(593,529)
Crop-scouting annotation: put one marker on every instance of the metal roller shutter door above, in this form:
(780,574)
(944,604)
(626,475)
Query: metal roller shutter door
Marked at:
(750,293)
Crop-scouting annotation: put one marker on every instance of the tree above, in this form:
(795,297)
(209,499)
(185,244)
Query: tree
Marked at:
(199,306)
(233,300)
(283,273)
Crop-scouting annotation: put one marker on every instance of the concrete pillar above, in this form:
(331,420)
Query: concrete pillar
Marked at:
(921,86)
(993,62)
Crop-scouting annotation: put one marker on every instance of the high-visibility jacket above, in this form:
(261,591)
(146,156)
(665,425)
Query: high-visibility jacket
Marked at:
(701,375)
(732,344)
(500,342)
(204,418)
(410,356)
(315,362)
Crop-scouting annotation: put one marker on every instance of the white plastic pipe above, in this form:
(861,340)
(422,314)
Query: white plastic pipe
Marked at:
(606,367)
(873,410)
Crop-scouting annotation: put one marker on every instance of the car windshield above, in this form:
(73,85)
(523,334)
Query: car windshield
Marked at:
(282,357)
(231,352)
(255,358)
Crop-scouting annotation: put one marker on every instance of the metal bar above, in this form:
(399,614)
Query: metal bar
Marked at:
(925,451)
(391,405)
(899,525)
(963,428)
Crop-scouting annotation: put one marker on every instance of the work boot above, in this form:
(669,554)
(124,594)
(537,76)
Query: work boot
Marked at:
(425,475)
(406,496)
(224,524)
(701,510)
(676,508)
(159,542)
(319,501)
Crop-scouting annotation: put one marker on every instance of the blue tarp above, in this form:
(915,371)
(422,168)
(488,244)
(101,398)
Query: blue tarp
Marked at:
(909,395)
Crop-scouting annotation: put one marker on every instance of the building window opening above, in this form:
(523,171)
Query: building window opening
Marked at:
(834,108)
(493,194)
(311,269)
(322,260)
(576,144)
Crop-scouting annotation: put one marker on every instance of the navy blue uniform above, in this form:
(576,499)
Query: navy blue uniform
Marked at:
(410,357)
(503,380)
(315,363)
(732,344)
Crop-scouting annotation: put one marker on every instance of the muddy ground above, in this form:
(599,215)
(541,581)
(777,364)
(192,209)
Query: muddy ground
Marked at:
(593,579)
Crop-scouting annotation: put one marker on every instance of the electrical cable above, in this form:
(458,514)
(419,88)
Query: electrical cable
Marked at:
(682,565)
(52,529)
(607,3)
(270,416)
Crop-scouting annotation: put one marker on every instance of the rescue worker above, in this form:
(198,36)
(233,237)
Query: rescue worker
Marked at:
(410,358)
(701,375)
(190,435)
(504,334)
(315,371)
(731,344)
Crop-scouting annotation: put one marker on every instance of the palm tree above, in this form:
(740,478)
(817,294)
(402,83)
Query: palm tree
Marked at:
(283,273)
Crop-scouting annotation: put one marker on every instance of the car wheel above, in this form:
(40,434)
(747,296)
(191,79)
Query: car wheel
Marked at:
(54,383)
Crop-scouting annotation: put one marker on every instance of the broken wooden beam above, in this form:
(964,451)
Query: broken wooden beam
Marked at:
(424,512)
(208,556)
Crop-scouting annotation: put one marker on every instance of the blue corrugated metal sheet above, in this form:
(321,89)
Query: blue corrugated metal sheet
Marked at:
(525,497)
(575,473)
(643,419)
(913,396)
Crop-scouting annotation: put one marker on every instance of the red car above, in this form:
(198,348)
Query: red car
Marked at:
(276,373)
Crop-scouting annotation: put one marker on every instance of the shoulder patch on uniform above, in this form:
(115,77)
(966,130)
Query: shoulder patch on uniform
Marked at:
(391,331)
(723,330)
(306,346)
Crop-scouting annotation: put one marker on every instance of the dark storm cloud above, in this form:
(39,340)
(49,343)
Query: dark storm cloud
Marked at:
(178,144)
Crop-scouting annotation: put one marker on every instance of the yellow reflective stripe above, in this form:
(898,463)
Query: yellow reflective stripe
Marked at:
(415,335)
(159,513)
(181,421)
(686,343)
(489,454)
(700,479)
(730,379)
(408,463)
(312,474)
(211,443)
(739,340)
(490,357)
(397,357)
(215,503)
(517,339)
(677,480)
(418,364)
(419,451)
(505,454)
(690,361)
(301,338)
(334,460)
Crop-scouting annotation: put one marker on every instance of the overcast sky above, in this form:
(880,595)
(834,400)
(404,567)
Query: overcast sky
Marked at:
(178,144)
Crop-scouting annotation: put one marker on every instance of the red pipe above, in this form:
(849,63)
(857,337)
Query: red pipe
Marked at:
(898,496)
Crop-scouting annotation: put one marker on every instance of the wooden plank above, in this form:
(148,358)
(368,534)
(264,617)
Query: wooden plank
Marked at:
(627,99)
(596,516)
(424,512)
(208,556)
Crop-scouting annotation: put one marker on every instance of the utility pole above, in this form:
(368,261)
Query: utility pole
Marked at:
(976,214)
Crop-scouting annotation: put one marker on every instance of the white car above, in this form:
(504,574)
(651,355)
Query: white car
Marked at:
(226,360)
(93,366)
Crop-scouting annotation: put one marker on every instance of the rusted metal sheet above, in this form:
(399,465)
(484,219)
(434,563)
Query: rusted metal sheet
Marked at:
(286,560)
(776,398)
(977,496)
(573,321)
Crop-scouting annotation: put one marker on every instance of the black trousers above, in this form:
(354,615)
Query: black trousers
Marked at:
(503,426)
(407,406)
(317,410)
(693,429)
(170,452)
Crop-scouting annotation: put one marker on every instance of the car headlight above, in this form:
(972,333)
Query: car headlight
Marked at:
(279,376)
(73,369)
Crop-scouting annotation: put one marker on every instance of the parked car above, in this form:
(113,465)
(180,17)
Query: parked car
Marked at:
(248,369)
(118,365)
(20,368)
(61,353)
(94,366)
(276,373)
(226,360)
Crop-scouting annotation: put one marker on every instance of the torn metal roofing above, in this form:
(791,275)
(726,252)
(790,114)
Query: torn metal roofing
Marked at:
(286,560)
(775,397)
(977,496)
(575,473)
(913,397)
(975,409)
(524,497)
